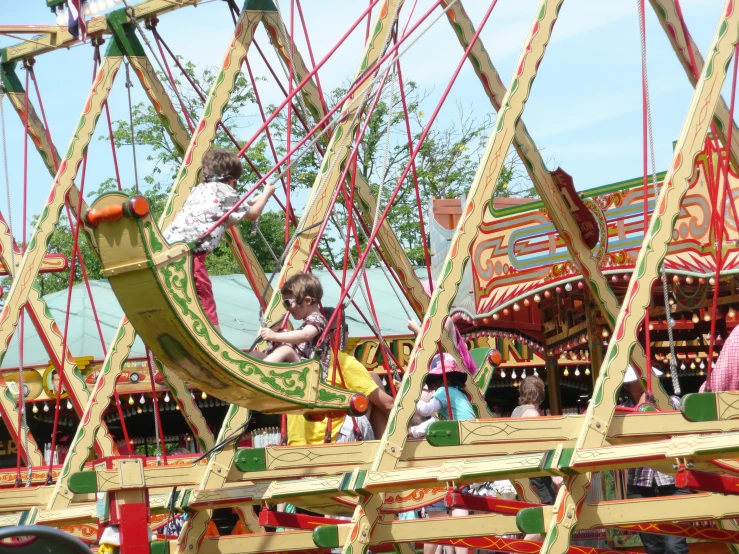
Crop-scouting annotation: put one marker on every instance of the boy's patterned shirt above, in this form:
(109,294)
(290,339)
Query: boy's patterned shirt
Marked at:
(207,203)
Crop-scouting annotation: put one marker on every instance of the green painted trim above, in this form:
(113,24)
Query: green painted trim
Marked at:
(159,547)
(699,407)
(531,520)
(480,356)
(262,5)
(83,482)
(125,42)
(251,459)
(589,193)
(443,433)
(10,80)
(326,536)
(565,461)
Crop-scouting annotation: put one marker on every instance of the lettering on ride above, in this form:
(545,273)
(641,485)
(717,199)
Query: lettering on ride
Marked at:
(583,217)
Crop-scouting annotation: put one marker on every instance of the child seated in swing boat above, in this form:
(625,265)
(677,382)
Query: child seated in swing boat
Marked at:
(301,296)
(208,202)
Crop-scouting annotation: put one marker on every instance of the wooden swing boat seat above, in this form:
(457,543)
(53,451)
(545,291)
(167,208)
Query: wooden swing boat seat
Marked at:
(153,282)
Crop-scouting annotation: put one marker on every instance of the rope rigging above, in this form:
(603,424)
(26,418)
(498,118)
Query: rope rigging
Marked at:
(648,138)
(22,416)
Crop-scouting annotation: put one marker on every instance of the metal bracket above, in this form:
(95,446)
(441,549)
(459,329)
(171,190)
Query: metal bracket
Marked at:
(598,425)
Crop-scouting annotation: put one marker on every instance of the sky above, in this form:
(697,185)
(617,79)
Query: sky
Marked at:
(584,111)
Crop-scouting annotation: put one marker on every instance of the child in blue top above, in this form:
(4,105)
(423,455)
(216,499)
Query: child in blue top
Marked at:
(437,403)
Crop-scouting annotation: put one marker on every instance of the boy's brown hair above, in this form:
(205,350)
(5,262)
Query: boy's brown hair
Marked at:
(531,391)
(221,165)
(302,285)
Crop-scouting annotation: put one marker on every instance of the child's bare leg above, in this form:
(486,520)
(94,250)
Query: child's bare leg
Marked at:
(460,512)
(259,355)
(283,353)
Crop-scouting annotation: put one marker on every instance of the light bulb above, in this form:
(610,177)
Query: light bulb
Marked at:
(712,281)
(142,400)
(46,407)
(682,366)
(566,373)
(668,374)
(166,397)
(692,365)
(587,371)
(731,313)
(702,365)
(203,396)
(537,298)
(707,316)
(139,410)
(502,374)
(130,400)
(513,374)
(689,280)
(536,373)
(696,319)
(568,287)
(177,407)
(496,317)
(35,409)
(69,405)
(605,333)
(577,372)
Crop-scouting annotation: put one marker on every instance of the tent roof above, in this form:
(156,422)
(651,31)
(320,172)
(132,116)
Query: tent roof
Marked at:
(238,311)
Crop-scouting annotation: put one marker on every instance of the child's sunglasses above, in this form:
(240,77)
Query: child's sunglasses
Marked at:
(288,303)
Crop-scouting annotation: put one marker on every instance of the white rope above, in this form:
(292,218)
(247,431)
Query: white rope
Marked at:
(129,86)
(655,187)
(23,431)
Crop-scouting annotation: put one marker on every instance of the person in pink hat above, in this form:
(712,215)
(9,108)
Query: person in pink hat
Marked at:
(443,397)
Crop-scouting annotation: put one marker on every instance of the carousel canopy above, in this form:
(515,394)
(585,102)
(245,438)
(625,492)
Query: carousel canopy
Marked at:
(238,311)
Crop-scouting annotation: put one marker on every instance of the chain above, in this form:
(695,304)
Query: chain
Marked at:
(23,431)
(655,187)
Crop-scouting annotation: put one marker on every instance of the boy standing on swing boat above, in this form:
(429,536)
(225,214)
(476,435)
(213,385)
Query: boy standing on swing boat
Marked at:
(208,202)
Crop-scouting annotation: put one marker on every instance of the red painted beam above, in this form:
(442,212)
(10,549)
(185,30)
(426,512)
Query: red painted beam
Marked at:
(268,518)
(711,482)
(485,503)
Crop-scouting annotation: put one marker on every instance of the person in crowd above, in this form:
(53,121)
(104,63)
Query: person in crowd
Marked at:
(531,395)
(207,203)
(644,482)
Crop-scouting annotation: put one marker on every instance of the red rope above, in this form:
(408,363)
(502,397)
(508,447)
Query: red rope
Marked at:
(278,82)
(75,248)
(290,83)
(313,72)
(200,94)
(367,73)
(120,413)
(645,188)
(26,132)
(415,152)
(171,79)
(310,53)
(155,398)
(721,215)
(446,384)
(269,135)
(112,147)
(426,254)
